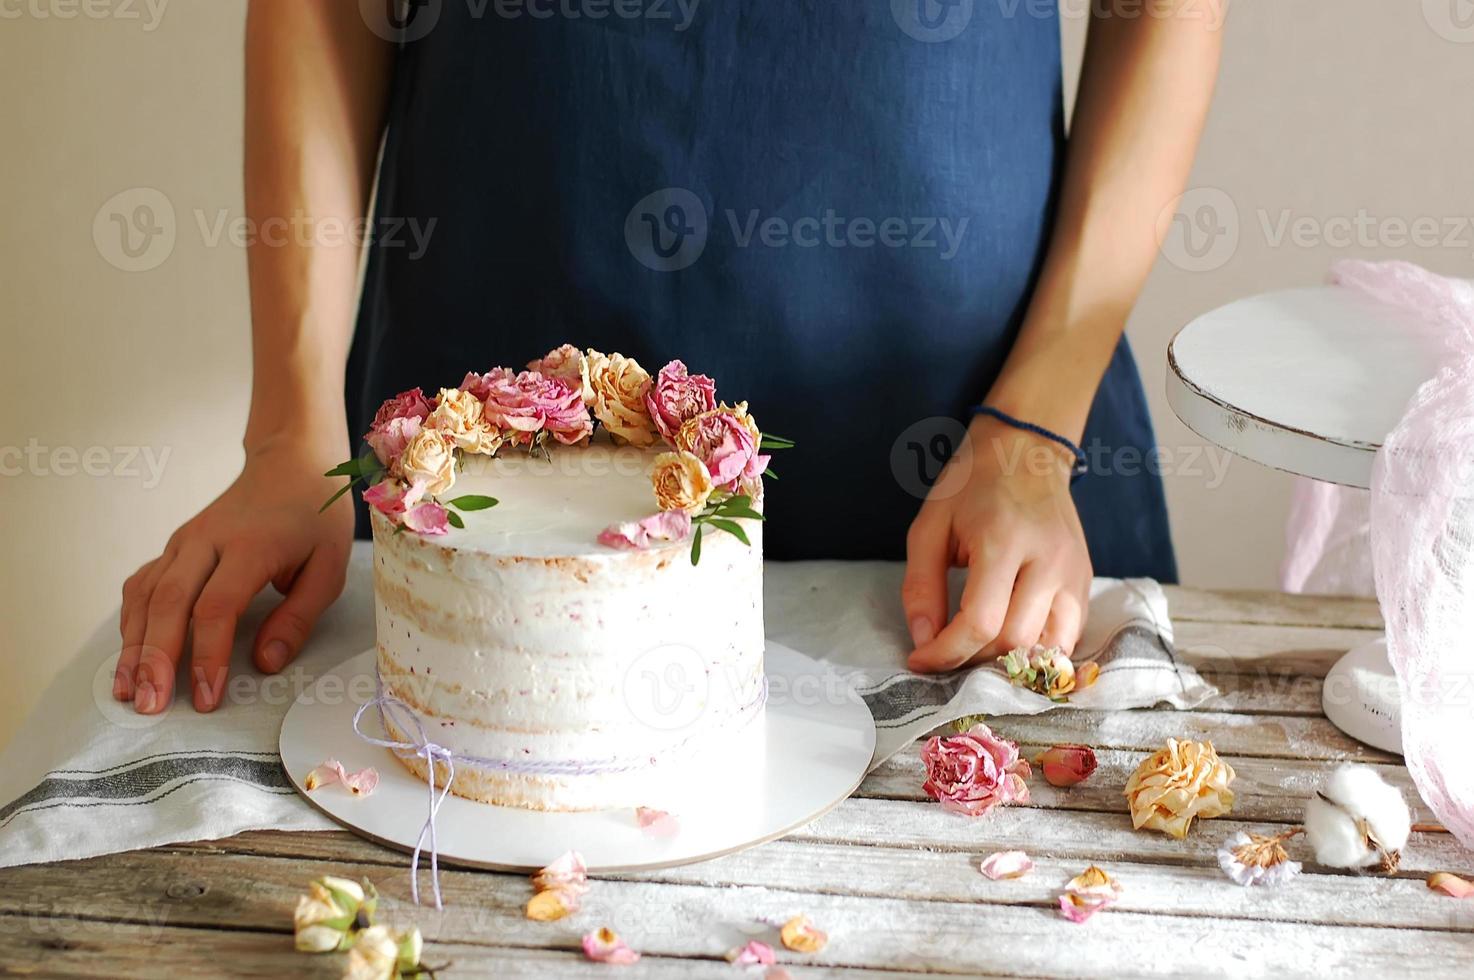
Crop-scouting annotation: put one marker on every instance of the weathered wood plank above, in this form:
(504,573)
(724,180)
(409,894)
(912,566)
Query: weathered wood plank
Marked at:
(690,921)
(1273,790)
(1245,648)
(1263,608)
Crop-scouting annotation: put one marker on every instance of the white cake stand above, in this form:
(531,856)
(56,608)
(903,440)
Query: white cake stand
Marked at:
(814,748)
(1310,381)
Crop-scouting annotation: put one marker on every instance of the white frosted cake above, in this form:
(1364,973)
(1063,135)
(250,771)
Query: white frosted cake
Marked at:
(572,649)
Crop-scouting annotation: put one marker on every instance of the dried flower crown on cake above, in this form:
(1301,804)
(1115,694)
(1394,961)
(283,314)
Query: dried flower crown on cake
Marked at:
(710,476)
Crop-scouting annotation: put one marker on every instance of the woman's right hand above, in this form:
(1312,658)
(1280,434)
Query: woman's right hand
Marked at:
(264,528)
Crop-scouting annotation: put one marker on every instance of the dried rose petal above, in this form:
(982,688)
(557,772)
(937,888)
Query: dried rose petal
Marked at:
(1086,675)
(604,946)
(360,783)
(1006,864)
(753,954)
(552,904)
(800,935)
(568,872)
(1087,893)
(656,823)
(1066,765)
(1451,885)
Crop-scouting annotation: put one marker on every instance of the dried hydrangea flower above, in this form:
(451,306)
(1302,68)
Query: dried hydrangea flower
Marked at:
(1089,892)
(1047,670)
(604,946)
(1006,864)
(1251,859)
(1358,820)
(332,913)
(1183,781)
(1451,885)
(800,935)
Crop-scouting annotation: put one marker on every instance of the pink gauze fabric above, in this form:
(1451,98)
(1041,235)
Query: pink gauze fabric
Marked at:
(1422,540)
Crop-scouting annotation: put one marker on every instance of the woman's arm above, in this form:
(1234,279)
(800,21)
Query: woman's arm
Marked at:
(1144,94)
(316,83)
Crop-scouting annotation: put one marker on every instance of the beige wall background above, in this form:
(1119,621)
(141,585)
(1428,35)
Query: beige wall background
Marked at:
(125,391)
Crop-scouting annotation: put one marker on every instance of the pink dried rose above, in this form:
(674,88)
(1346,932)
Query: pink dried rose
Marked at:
(1006,865)
(427,517)
(479,385)
(388,439)
(1066,765)
(657,529)
(410,404)
(360,783)
(604,946)
(973,772)
(565,363)
(530,403)
(388,498)
(753,954)
(726,440)
(1087,893)
(676,396)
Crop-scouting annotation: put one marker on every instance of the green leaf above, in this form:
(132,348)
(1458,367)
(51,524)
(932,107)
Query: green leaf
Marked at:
(696,545)
(472,501)
(770,441)
(334,498)
(455,519)
(769,474)
(744,509)
(349,468)
(731,527)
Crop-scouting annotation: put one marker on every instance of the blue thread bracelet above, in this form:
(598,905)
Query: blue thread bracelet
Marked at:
(1081,466)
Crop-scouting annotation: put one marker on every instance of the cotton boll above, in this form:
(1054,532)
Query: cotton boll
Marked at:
(1357,820)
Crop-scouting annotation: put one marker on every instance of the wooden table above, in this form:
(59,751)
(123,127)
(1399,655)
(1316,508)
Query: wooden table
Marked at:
(892,878)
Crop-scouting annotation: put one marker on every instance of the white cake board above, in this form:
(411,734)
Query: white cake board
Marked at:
(1310,381)
(815,752)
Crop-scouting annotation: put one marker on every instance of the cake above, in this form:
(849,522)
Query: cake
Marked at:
(568,581)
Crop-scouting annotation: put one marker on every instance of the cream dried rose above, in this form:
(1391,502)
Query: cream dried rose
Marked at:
(459,415)
(1180,782)
(681,482)
(614,387)
(429,460)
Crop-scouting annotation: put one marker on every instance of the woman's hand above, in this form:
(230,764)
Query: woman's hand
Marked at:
(1001,508)
(264,528)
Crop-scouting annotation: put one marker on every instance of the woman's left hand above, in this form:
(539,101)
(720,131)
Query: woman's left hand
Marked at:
(1001,508)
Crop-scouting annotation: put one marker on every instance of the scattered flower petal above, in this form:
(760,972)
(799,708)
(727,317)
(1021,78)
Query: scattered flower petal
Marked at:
(1451,885)
(1086,675)
(553,904)
(777,973)
(657,529)
(974,772)
(800,935)
(1358,820)
(1181,782)
(1251,859)
(1087,893)
(360,783)
(656,823)
(1066,765)
(604,946)
(753,954)
(1006,864)
(567,872)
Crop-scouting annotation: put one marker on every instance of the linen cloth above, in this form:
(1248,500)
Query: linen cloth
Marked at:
(86,776)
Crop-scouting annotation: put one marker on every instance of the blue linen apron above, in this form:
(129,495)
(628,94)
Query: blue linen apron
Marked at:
(836,208)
